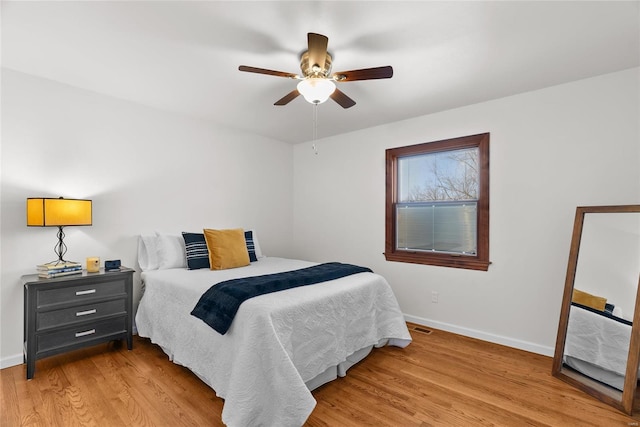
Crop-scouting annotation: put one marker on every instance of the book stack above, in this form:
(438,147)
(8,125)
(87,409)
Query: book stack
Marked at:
(59,269)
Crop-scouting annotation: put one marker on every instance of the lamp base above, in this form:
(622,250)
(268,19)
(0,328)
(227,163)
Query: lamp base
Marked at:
(60,248)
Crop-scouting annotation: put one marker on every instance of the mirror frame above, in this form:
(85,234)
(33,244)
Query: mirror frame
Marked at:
(622,400)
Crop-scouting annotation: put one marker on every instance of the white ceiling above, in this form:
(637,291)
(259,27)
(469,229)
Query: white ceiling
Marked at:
(184,56)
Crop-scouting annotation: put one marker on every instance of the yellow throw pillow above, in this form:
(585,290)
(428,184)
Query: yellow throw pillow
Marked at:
(584,298)
(227,248)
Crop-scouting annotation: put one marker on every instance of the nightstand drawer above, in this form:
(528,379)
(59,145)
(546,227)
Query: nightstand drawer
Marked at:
(83,313)
(83,333)
(79,293)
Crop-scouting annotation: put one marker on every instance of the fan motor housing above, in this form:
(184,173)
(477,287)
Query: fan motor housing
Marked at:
(308,69)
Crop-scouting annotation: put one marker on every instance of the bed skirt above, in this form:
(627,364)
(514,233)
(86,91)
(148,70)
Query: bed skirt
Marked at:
(595,372)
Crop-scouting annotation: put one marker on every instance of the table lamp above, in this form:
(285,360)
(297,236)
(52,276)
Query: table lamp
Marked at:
(48,212)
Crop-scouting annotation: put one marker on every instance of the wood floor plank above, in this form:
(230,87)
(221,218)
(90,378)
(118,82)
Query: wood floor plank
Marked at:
(103,410)
(30,401)
(178,382)
(9,398)
(146,403)
(441,379)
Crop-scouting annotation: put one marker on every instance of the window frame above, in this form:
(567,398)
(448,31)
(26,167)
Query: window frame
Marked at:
(480,261)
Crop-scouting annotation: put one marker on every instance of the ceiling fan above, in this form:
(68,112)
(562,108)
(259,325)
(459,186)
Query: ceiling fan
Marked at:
(316,83)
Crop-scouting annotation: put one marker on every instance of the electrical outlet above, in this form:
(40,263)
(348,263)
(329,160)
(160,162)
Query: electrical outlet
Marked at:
(434,297)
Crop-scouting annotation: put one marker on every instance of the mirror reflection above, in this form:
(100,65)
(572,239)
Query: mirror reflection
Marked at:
(602,304)
(609,259)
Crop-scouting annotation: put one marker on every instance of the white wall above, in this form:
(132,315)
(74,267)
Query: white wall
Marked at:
(551,150)
(144,169)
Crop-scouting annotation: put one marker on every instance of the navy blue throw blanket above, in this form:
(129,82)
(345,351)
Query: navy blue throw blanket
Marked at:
(218,306)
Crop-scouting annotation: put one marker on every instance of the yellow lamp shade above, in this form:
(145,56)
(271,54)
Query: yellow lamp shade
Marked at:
(43,212)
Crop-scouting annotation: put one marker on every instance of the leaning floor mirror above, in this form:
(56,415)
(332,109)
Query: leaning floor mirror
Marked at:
(598,342)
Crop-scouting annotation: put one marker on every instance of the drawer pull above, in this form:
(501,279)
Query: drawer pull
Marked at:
(85,313)
(87,292)
(85,333)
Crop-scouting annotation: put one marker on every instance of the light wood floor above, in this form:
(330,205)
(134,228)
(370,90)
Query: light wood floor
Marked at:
(441,379)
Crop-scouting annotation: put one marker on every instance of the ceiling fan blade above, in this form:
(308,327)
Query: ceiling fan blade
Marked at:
(342,99)
(385,72)
(265,71)
(317,49)
(287,98)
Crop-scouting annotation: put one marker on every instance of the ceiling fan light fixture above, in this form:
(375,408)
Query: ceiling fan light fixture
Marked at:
(316,90)
(317,83)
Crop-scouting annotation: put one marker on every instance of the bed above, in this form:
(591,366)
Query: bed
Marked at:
(280,346)
(597,344)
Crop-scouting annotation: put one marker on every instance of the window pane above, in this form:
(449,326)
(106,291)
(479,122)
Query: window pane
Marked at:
(446,175)
(448,227)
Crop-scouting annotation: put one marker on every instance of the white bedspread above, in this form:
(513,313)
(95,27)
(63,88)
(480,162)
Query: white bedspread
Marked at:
(598,340)
(277,341)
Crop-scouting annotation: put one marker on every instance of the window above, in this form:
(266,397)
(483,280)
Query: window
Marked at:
(437,203)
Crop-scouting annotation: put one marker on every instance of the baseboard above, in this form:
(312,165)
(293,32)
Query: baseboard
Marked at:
(10,361)
(473,333)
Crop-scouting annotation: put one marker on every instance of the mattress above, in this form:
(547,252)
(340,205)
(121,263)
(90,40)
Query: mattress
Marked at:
(280,345)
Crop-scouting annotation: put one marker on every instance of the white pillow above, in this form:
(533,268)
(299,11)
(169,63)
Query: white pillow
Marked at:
(148,252)
(171,251)
(256,245)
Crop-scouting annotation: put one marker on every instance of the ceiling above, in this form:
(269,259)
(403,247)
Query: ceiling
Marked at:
(183,56)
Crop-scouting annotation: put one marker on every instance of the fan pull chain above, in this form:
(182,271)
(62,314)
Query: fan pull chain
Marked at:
(315,128)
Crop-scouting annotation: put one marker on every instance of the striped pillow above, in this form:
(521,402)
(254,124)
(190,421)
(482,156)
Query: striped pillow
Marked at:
(251,247)
(197,252)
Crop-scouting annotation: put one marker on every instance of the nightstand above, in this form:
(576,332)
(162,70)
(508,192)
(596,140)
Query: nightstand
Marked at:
(72,312)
